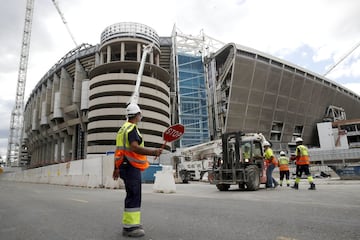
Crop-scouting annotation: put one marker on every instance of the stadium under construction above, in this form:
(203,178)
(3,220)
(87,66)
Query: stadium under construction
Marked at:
(76,109)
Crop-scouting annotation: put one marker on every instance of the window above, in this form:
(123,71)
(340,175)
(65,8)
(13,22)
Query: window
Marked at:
(297,132)
(276,131)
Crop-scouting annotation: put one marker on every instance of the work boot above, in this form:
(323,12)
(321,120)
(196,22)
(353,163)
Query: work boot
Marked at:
(137,232)
(312,186)
(296,186)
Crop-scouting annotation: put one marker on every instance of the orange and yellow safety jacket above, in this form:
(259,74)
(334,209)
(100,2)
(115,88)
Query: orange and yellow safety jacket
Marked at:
(270,157)
(123,148)
(302,155)
(283,163)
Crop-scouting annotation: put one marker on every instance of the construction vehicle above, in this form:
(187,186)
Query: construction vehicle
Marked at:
(193,163)
(241,163)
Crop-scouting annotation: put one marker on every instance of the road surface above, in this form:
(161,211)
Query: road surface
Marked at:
(196,211)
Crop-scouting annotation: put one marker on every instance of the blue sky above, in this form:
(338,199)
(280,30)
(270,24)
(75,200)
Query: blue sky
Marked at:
(307,33)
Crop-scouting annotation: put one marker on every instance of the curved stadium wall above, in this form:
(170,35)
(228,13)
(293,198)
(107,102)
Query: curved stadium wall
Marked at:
(256,92)
(76,109)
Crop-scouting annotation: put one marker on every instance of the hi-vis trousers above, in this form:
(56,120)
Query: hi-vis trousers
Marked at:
(132,180)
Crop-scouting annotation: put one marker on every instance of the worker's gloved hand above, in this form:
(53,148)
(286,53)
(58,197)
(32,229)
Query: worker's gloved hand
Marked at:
(116,174)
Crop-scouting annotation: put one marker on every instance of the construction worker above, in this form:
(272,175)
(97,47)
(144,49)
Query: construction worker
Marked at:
(130,160)
(302,164)
(271,163)
(246,152)
(284,168)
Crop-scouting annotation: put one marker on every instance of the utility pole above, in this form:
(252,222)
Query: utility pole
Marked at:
(17,117)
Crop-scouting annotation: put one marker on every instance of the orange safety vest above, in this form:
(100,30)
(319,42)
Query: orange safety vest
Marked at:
(302,155)
(123,148)
(270,157)
(283,163)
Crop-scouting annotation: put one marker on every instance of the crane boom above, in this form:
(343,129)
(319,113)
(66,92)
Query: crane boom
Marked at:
(342,59)
(64,21)
(16,121)
(135,96)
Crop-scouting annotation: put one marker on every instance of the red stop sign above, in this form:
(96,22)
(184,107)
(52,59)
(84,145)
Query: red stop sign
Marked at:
(173,133)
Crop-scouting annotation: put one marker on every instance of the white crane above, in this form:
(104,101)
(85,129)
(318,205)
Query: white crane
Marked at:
(135,96)
(64,21)
(17,115)
(342,59)
(16,121)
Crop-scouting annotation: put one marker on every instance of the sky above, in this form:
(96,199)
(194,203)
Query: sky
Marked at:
(311,34)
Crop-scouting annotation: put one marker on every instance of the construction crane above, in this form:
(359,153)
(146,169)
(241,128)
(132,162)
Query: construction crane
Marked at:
(16,121)
(342,59)
(17,115)
(64,21)
(136,94)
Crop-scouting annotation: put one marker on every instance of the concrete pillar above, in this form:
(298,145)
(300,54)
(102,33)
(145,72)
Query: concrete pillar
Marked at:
(66,84)
(138,52)
(68,147)
(80,74)
(108,56)
(73,145)
(97,59)
(57,149)
(55,88)
(152,57)
(44,151)
(47,99)
(157,59)
(101,58)
(49,149)
(122,53)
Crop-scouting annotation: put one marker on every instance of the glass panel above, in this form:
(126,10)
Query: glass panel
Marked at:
(193,111)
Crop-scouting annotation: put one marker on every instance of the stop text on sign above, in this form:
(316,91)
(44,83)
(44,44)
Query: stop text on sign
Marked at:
(173,132)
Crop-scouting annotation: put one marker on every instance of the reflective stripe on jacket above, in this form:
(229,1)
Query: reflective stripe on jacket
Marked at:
(283,163)
(302,155)
(123,148)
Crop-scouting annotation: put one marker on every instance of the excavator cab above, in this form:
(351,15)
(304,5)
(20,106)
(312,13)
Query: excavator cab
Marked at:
(242,162)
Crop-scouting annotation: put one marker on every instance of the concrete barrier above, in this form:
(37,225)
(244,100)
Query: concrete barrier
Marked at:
(92,172)
(164,181)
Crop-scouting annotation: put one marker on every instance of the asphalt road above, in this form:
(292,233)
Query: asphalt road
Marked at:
(196,211)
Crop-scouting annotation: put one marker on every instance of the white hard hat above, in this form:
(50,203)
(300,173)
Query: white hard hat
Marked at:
(298,139)
(282,153)
(132,109)
(266,143)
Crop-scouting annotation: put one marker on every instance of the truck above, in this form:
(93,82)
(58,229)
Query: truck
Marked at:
(241,163)
(193,163)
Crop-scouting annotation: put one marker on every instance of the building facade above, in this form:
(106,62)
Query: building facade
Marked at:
(76,109)
(256,92)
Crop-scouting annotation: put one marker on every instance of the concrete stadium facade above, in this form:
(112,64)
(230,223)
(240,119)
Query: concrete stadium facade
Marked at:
(256,92)
(76,109)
